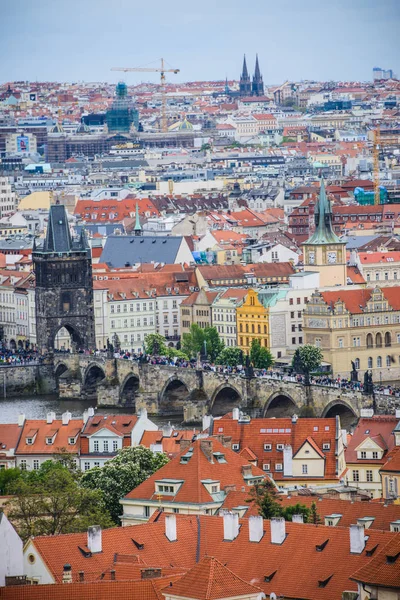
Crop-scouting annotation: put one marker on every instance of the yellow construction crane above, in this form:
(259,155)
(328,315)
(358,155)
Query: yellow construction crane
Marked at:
(162,70)
(376,149)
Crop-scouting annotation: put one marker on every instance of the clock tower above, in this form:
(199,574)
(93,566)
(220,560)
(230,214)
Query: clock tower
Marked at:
(323,251)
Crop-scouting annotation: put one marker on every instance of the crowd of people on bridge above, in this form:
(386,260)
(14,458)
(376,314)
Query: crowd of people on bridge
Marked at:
(17,357)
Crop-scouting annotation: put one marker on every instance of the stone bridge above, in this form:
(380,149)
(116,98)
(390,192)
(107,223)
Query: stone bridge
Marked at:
(191,393)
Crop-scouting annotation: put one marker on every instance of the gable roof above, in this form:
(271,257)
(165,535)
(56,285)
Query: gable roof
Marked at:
(43,430)
(119,250)
(378,428)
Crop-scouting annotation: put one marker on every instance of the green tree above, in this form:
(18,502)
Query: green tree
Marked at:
(314,516)
(260,357)
(50,501)
(155,343)
(214,343)
(122,474)
(175,353)
(230,356)
(7,478)
(266,496)
(193,342)
(296,509)
(307,359)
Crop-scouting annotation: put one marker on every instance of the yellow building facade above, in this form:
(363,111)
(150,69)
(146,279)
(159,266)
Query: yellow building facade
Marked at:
(252,322)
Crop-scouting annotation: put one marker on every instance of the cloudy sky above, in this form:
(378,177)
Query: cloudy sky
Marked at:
(74,40)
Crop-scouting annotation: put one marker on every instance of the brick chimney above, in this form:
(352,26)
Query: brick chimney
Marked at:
(246,470)
(150,573)
(206,447)
(225,440)
(184,445)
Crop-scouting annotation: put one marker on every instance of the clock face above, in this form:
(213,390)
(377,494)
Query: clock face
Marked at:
(311,258)
(331,257)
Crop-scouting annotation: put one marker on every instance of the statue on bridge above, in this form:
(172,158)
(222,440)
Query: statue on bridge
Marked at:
(354,373)
(110,349)
(249,371)
(368,384)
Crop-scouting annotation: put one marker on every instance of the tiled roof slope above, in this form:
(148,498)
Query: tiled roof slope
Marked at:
(210,580)
(258,432)
(379,429)
(39,430)
(300,563)
(384,569)
(198,468)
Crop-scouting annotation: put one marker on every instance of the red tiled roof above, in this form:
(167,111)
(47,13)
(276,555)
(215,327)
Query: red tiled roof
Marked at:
(119,424)
(381,426)
(44,430)
(356,300)
(383,570)
(9,436)
(198,468)
(210,580)
(258,432)
(354,275)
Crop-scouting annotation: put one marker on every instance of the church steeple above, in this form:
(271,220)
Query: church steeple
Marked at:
(258,84)
(138,228)
(245,83)
(323,233)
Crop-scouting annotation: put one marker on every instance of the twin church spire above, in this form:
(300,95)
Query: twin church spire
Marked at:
(248,87)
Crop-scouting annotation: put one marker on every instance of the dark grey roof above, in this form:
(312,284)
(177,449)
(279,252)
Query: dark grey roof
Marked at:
(122,249)
(58,236)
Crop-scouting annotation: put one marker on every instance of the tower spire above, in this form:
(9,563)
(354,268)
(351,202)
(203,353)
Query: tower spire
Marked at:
(245,73)
(138,228)
(257,74)
(324,233)
(245,83)
(258,85)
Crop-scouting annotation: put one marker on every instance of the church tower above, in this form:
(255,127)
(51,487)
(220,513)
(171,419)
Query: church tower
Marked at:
(257,88)
(323,251)
(64,286)
(245,83)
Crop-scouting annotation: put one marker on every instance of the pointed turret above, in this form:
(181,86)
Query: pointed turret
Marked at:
(245,83)
(138,228)
(323,233)
(58,236)
(258,84)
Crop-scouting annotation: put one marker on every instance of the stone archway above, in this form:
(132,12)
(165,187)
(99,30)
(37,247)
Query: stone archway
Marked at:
(13,345)
(347,415)
(94,374)
(60,370)
(173,397)
(225,398)
(128,392)
(281,405)
(66,338)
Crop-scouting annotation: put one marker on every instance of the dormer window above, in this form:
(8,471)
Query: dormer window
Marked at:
(49,441)
(71,441)
(278,467)
(29,441)
(363,454)
(279,446)
(326,446)
(235,446)
(267,447)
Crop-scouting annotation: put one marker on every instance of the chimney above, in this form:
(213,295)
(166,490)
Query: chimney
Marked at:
(170,528)
(66,417)
(297,519)
(90,411)
(294,419)
(112,574)
(67,574)
(184,445)
(278,530)
(81,576)
(207,448)
(50,417)
(229,488)
(357,539)
(255,528)
(235,414)
(94,539)
(206,421)
(167,430)
(85,417)
(246,470)
(231,526)
(143,414)
(21,420)
(287,461)
(150,573)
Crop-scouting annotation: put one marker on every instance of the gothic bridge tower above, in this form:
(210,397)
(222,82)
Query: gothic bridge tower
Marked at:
(64,286)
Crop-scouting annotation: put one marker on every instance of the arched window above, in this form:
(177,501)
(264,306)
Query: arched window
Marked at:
(378,340)
(252,328)
(370,362)
(388,339)
(259,328)
(370,341)
(357,363)
(247,328)
(388,361)
(265,329)
(379,362)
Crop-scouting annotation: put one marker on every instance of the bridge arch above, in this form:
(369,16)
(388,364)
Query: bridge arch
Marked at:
(128,390)
(280,404)
(225,398)
(94,373)
(345,411)
(173,397)
(59,370)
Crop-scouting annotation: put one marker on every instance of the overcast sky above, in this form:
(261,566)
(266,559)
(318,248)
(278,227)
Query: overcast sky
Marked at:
(75,40)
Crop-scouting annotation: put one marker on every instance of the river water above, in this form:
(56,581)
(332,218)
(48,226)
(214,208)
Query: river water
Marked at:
(36,407)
